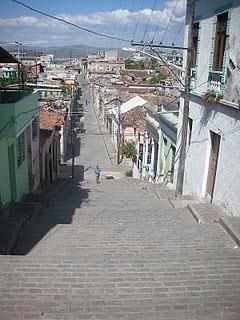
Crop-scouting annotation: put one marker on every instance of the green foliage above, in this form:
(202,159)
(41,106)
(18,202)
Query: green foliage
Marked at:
(212,96)
(135,65)
(128,150)
(65,90)
(157,78)
(4,82)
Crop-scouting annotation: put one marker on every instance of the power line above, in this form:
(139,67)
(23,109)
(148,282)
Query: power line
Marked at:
(150,16)
(126,24)
(177,34)
(166,30)
(115,22)
(159,21)
(70,23)
(139,15)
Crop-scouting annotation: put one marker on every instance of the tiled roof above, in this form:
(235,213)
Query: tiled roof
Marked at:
(48,120)
(134,118)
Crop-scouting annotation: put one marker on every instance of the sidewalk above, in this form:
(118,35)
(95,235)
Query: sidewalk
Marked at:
(205,213)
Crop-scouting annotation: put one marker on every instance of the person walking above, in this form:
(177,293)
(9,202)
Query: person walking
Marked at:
(97,173)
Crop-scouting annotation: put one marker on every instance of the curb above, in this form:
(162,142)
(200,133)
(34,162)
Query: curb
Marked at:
(194,213)
(229,231)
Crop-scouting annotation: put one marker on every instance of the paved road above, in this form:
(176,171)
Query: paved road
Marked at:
(118,250)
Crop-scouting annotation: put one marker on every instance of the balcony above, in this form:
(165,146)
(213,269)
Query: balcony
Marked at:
(216,82)
(17,109)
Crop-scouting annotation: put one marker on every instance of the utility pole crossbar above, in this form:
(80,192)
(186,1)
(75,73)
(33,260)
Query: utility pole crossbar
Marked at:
(152,45)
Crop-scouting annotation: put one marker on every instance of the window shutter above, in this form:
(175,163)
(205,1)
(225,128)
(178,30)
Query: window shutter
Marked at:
(220,41)
(21,154)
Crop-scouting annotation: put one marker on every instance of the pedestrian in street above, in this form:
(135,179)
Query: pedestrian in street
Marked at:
(86,102)
(97,173)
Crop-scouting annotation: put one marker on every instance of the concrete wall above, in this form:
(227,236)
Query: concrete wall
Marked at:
(224,121)
(35,159)
(129,135)
(5,193)
(21,177)
(21,173)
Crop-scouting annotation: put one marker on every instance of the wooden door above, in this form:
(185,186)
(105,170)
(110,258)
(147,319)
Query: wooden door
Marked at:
(212,169)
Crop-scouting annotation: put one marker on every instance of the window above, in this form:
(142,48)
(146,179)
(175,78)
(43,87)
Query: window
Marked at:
(195,34)
(220,41)
(34,128)
(21,155)
(190,125)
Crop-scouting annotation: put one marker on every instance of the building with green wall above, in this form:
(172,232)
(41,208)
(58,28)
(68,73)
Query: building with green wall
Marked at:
(18,109)
(159,144)
(8,73)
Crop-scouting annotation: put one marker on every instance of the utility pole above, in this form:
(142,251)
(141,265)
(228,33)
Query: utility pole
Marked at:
(119,128)
(72,144)
(184,127)
(36,71)
(73,133)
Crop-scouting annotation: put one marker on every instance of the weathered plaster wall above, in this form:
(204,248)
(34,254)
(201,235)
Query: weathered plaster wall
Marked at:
(205,12)
(224,121)
(5,193)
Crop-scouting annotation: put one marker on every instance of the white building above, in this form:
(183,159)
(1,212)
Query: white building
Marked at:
(212,168)
(137,101)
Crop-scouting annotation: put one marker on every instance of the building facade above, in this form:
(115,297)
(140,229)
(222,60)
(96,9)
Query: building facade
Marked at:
(18,110)
(156,151)
(214,111)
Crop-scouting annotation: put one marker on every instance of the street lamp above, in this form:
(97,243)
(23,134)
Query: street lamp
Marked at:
(19,44)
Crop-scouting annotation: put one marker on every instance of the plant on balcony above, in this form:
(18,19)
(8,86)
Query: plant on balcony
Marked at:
(212,96)
(128,150)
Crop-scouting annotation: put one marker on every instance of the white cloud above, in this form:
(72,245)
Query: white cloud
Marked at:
(109,22)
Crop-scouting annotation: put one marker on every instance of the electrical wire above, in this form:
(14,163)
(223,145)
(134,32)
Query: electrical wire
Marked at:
(150,17)
(159,21)
(178,32)
(166,30)
(70,23)
(11,121)
(127,22)
(116,22)
(139,15)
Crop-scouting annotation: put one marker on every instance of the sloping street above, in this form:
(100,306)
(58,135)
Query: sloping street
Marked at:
(117,250)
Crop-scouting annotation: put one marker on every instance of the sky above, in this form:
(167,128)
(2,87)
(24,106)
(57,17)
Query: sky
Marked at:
(127,19)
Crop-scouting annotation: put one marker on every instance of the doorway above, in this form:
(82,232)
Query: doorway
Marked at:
(213,162)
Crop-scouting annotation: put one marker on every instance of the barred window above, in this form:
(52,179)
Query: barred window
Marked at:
(21,154)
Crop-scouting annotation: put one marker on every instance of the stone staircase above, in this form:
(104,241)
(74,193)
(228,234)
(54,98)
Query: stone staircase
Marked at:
(119,250)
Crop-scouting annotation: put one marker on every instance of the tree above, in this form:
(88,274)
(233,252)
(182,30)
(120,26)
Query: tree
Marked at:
(128,150)
(135,65)
(157,78)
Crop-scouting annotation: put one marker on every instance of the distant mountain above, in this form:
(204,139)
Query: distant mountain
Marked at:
(75,51)
(64,52)
(78,51)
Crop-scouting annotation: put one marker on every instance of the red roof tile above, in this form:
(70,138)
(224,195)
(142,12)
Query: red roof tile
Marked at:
(48,120)
(134,118)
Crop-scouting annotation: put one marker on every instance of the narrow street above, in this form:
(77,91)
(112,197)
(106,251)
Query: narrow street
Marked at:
(118,250)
